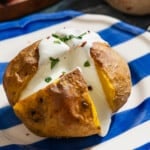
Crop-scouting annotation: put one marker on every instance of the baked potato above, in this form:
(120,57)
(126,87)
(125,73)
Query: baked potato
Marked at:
(135,7)
(67,105)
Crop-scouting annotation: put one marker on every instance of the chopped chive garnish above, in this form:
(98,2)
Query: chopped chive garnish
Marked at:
(63,39)
(86,63)
(57,42)
(48,79)
(53,61)
(63,73)
(55,35)
(80,36)
(69,37)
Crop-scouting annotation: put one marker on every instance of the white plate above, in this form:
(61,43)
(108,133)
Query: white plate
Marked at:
(130,126)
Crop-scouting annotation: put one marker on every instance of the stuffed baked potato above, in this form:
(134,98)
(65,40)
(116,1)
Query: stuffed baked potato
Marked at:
(66,103)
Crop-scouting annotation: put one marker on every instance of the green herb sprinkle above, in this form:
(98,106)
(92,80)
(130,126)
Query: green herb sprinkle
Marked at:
(48,79)
(68,37)
(57,42)
(53,61)
(86,63)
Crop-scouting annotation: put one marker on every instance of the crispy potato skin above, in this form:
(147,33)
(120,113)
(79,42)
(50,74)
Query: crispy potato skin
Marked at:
(62,109)
(19,72)
(116,70)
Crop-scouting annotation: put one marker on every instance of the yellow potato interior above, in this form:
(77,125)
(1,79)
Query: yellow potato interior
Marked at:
(88,98)
(107,86)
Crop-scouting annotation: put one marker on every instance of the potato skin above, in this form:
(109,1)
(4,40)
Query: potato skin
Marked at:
(135,7)
(19,72)
(117,72)
(62,109)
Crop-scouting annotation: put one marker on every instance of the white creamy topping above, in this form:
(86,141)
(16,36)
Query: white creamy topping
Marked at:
(71,55)
(88,36)
(51,47)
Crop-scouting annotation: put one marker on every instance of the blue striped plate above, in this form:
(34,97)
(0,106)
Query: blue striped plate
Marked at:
(130,127)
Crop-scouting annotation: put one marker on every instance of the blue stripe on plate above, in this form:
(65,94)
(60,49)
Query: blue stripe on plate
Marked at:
(144,147)
(18,147)
(2,70)
(8,118)
(38,21)
(34,22)
(140,68)
(120,32)
(120,123)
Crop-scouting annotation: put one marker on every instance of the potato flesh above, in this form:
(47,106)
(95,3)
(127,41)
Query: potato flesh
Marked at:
(107,86)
